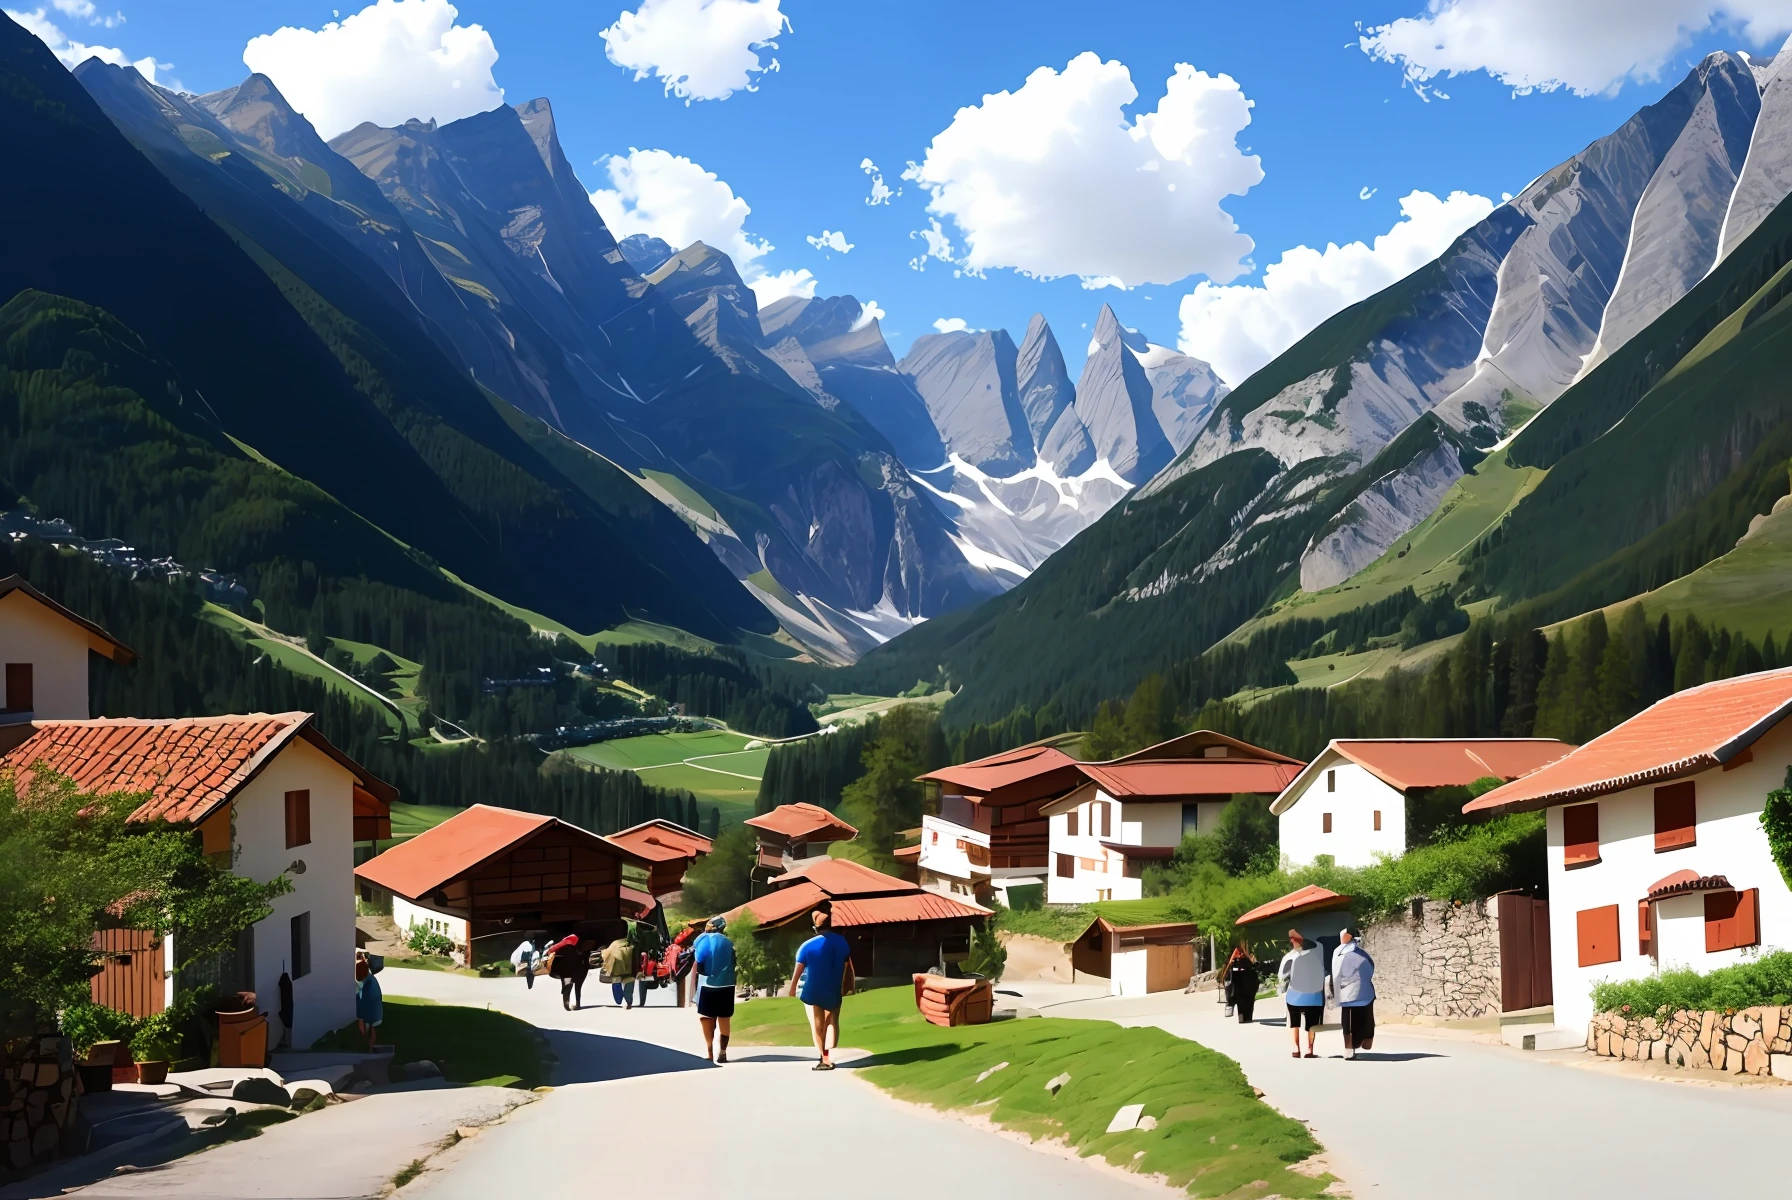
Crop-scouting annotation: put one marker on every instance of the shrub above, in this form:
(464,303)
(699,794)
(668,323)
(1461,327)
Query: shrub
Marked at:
(1765,980)
(86,1023)
(425,940)
(718,881)
(988,955)
(1776,822)
(762,964)
(158,1037)
(1059,923)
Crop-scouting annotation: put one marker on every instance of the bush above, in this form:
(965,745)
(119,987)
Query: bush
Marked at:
(1765,980)
(425,940)
(1059,923)
(718,882)
(762,964)
(1466,864)
(1776,822)
(86,1023)
(158,1037)
(988,955)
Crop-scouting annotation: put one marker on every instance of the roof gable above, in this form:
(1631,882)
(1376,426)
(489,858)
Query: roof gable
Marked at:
(660,840)
(98,640)
(801,822)
(1406,763)
(1202,744)
(418,866)
(844,877)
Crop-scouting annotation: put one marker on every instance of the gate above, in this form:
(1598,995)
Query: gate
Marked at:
(132,977)
(1524,953)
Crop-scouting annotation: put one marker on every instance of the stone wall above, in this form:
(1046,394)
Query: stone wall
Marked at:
(1749,1041)
(1438,959)
(39,1095)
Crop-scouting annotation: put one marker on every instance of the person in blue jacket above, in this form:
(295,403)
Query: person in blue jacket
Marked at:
(714,955)
(823,977)
(1353,986)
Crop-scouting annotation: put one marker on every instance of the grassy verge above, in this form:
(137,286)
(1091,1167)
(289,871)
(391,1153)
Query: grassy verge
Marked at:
(1213,1136)
(470,1045)
(1061,924)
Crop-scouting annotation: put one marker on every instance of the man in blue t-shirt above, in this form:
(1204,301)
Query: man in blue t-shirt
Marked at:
(714,955)
(823,976)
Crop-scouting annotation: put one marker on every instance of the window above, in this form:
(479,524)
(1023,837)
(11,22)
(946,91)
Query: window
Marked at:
(1191,819)
(1213,752)
(1331,781)
(18,688)
(1378,820)
(298,818)
(1676,817)
(301,946)
(1580,835)
(1596,930)
(1107,820)
(1070,822)
(1645,930)
(1066,866)
(1732,920)
(1326,826)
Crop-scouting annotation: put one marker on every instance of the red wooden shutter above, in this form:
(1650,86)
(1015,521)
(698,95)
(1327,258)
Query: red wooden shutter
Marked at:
(1645,936)
(1748,918)
(298,818)
(1378,820)
(18,688)
(1070,822)
(1732,920)
(1596,930)
(1580,835)
(1328,822)
(1676,816)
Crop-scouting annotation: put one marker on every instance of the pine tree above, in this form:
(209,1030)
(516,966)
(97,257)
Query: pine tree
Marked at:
(1553,713)
(1149,718)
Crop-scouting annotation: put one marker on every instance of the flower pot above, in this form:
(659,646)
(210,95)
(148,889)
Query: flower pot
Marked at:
(235,1002)
(104,1054)
(155,1071)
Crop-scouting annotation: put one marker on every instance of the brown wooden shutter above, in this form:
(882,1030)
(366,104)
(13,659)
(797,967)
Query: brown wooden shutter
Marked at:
(1066,866)
(1676,816)
(1645,935)
(1328,823)
(1331,781)
(18,688)
(1596,930)
(1107,820)
(1378,820)
(1070,822)
(1732,920)
(1580,835)
(298,818)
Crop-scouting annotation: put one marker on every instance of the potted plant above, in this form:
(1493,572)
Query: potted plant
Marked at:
(155,1044)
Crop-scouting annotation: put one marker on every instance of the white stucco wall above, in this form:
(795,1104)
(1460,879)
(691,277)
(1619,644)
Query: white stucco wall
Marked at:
(1354,840)
(408,916)
(1099,874)
(939,848)
(57,652)
(324,999)
(1729,843)
(1129,976)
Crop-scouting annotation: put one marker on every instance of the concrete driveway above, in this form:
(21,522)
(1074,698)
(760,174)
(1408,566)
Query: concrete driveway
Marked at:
(637,1110)
(1430,1116)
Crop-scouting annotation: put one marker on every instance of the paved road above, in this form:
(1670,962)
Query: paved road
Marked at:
(653,1115)
(1435,1116)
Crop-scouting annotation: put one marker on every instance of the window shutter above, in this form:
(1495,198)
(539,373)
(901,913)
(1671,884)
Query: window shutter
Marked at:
(1732,920)
(1378,820)
(1580,835)
(1596,929)
(1107,820)
(1070,822)
(1676,817)
(1066,866)
(1748,918)
(301,946)
(298,818)
(1645,936)
(1328,823)
(1331,781)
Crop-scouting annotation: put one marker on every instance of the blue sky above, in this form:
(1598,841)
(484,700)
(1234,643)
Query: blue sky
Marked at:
(882,81)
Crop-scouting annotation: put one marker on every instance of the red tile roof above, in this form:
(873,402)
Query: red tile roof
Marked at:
(662,841)
(1310,899)
(1002,770)
(843,877)
(1691,731)
(1196,744)
(433,858)
(911,906)
(1444,762)
(777,908)
(98,639)
(634,899)
(1681,882)
(804,823)
(1168,779)
(186,767)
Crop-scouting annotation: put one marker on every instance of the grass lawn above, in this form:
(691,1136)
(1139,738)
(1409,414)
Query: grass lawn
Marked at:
(1213,1135)
(1744,590)
(470,1045)
(1062,924)
(409,820)
(722,773)
(662,749)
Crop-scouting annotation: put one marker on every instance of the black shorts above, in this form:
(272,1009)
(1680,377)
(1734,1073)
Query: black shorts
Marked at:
(1310,1015)
(715,1002)
(1359,1023)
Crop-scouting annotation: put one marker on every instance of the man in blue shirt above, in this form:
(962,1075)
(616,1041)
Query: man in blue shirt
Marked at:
(714,955)
(823,976)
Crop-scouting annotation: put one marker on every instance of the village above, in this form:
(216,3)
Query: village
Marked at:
(587,992)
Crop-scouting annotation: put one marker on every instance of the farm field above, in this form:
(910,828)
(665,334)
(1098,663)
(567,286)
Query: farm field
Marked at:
(713,765)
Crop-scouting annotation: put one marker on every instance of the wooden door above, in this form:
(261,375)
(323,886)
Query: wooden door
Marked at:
(1525,968)
(1169,968)
(131,977)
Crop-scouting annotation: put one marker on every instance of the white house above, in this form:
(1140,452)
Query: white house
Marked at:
(1657,858)
(1137,809)
(987,831)
(272,793)
(44,649)
(1351,801)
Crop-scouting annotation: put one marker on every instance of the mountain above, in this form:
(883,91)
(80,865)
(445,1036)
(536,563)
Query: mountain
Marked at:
(1574,405)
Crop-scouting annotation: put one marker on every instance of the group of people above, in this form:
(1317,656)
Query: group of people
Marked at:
(822,979)
(1305,983)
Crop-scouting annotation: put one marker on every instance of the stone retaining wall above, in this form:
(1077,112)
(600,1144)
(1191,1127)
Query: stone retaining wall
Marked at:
(1438,959)
(39,1096)
(1749,1041)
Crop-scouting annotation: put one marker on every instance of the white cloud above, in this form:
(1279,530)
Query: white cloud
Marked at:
(951,325)
(1054,179)
(700,49)
(87,10)
(1366,192)
(1240,328)
(880,191)
(390,62)
(669,197)
(868,312)
(1587,46)
(72,53)
(938,246)
(830,240)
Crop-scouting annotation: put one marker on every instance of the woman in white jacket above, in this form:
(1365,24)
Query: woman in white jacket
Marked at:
(1301,980)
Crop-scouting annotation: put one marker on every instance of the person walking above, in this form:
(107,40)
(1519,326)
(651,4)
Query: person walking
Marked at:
(569,963)
(715,986)
(1353,986)
(619,969)
(823,978)
(524,959)
(370,1001)
(1301,980)
(1240,980)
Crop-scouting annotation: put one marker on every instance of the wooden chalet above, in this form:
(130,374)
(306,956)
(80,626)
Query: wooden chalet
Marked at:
(668,848)
(487,873)
(985,830)
(792,836)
